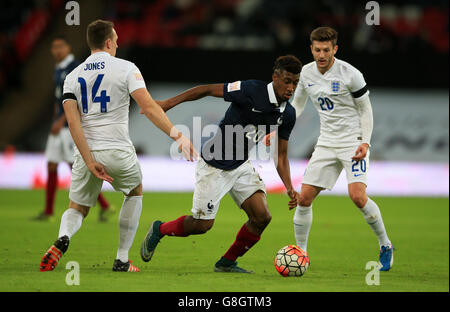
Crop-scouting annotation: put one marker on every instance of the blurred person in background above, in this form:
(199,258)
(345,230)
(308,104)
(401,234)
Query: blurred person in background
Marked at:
(60,147)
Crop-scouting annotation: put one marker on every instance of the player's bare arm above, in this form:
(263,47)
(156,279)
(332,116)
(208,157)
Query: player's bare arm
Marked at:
(365,109)
(58,124)
(74,120)
(193,94)
(156,115)
(284,171)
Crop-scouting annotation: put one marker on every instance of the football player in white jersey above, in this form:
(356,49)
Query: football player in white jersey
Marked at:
(59,147)
(340,95)
(96,103)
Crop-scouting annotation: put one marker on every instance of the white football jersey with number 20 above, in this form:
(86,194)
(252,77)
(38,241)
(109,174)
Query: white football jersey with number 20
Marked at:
(333,95)
(102,85)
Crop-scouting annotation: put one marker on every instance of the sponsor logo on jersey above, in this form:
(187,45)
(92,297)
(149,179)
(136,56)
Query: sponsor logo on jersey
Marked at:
(335,86)
(138,76)
(234,86)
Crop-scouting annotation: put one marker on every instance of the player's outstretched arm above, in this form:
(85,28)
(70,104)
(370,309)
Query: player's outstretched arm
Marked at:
(157,116)
(192,95)
(284,171)
(74,120)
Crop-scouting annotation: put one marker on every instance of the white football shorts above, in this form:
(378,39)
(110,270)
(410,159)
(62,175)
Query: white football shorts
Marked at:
(123,166)
(326,164)
(60,147)
(212,184)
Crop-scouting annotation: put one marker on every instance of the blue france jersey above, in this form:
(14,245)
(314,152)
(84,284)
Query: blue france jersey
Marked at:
(61,71)
(253,113)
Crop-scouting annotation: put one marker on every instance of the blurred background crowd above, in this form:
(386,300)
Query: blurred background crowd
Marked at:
(177,43)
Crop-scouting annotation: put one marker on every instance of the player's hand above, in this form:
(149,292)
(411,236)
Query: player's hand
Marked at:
(295,197)
(361,152)
(186,147)
(268,138)
(98,170)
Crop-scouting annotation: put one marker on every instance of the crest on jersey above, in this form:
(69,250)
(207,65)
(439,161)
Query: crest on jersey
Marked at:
(335,85)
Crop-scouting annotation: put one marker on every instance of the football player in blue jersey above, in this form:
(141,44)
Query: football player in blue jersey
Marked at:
(59,147)
(256,109)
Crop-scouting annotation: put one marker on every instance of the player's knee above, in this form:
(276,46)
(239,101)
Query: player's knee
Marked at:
(266,219)
(262,220)
(305,201)
(206,227)
(359,199)
(84,211)
(203,226)
(136,191)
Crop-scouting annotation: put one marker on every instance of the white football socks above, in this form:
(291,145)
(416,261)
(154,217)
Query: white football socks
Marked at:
(372,215)
(302,225)
(128,224)
(71,221)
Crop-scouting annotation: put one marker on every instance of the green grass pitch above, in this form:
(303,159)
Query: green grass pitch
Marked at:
(340,245)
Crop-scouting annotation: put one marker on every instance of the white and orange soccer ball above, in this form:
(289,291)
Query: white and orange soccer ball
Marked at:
(291,261)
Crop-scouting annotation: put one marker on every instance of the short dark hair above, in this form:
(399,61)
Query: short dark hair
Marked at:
(61,37)
(289,63)
(324,34)
(98,32)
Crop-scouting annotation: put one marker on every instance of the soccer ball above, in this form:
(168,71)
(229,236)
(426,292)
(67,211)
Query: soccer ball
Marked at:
(291,261)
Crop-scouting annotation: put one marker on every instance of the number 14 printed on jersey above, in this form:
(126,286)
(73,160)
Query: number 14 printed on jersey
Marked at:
(103,99)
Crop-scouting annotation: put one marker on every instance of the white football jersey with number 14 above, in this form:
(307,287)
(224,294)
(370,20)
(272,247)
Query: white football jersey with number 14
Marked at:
(102,85)
(333,95)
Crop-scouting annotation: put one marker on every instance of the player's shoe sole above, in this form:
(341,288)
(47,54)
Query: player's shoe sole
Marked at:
(386,257)
(54,254)
(227,266)
(120,266)
(151,240)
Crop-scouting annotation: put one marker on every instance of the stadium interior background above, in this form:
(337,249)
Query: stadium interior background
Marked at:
(178,44)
